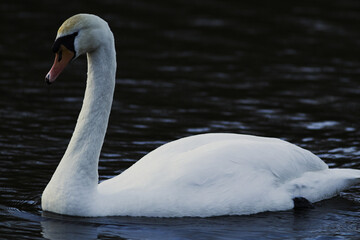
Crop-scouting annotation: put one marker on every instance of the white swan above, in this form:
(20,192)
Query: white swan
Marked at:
(203,175)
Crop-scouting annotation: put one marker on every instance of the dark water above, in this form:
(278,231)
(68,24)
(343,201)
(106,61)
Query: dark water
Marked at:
(285,69)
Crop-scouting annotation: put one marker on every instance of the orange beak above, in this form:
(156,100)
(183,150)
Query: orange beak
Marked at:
(62,58)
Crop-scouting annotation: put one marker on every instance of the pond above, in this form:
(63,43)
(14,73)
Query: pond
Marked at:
(281,69)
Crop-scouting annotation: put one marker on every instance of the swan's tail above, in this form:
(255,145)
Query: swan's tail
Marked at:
(318,185)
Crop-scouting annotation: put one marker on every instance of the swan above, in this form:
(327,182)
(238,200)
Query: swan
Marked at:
(203,175)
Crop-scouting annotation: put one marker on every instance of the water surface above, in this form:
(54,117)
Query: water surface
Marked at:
(287,70)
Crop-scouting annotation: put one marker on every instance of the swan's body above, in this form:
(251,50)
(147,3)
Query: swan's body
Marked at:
(203,175)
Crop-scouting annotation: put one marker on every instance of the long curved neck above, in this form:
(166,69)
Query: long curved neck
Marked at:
(80,161)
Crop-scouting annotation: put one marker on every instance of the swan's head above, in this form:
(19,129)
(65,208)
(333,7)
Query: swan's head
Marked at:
(79,34)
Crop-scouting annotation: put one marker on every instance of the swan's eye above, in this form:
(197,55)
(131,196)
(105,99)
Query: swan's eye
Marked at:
(67,41)
(59,55)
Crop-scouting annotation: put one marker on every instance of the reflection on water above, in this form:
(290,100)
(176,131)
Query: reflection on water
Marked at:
(337,215)
(62,229)
(285,70)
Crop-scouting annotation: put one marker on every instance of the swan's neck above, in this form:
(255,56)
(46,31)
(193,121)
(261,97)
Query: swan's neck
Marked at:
(78,168)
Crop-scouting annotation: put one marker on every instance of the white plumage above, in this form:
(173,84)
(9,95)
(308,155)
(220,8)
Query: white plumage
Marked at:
(202,175)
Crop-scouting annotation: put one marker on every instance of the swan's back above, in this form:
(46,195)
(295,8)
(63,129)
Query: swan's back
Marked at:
(214,153)
(203,174)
